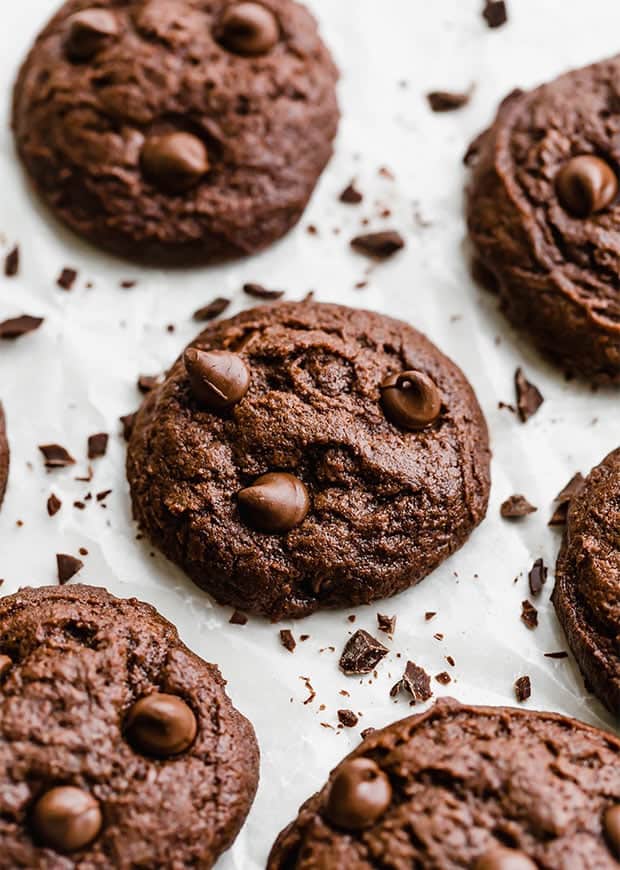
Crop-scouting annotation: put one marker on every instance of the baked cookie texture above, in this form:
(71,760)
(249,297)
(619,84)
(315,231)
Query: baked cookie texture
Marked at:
(177,131)
(91,773)
(545,222)
(355,506)
(465,787)
(587,589)
(4,455)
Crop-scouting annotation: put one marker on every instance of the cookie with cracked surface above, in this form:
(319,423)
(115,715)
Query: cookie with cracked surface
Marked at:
(587,588)
(177,131)
(306,455)
(544,217)
(4,455)
(487,788)
(106,722)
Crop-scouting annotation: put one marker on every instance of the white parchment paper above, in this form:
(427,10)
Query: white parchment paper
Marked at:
(77,374)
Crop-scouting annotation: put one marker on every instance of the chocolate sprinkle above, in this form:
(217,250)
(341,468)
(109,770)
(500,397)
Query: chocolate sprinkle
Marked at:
(68,566)
(11,263)
(386,624)
(67,278)
(529,614)
(529,397)
(347,718)
(495,13)
(362,653)
(15,327)
(350,195)
(447,101)
(563,499)
(53,505)
(287,640)
(523,689)
(379,246)
(259,292)
(56,456)
(515,507)
(97,445)
(212,309)
(537,576)
(416,682)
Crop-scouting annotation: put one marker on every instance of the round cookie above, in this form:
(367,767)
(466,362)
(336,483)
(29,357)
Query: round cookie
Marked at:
(544,217)
(177,131)
(307,455)
(4,455)
(118,746)
(487,788)
(587,588)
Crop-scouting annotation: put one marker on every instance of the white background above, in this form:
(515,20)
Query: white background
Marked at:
(77,374)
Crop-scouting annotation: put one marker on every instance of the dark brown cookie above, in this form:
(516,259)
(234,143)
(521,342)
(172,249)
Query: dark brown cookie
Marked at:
(118,746)
(544,217)
(177,130)
(487,788)
(587,589)
(4,455)
(308,455)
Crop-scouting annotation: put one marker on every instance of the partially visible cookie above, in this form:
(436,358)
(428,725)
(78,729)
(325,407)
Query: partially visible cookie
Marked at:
(544,216)
(4,454)
(118,746)
(177,131)
(484,788)
(587,589)
(304,455)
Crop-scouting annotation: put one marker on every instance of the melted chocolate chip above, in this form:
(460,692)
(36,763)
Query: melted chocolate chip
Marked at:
(586,185)
(66,818)
(359,794)
(89,31)
(411,400)
(248,29)
(275,502)
(161,725)
(175,162)
(362,653)
(500,858)
(218,378)
(611,829)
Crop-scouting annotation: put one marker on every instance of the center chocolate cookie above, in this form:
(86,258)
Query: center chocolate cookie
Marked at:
(4,455)
(118,746)
(544,216)
(483,788)
(587,590)
(306,455)
(177,130)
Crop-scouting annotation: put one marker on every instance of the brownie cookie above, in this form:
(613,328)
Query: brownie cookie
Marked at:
(544,217)
(4,455)
(307,455)
(177,130)
(587,589)
(118,746)
(486,788)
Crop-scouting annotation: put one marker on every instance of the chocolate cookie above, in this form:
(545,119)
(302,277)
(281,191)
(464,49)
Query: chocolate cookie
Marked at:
(305,455)
(177,130)
(4,455)
(118,746)
(587,589)
(544,216)
(486,788)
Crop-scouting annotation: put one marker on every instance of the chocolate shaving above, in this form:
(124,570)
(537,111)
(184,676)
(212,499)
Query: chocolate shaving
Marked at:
(529,614)
(537,576)
(128,423)
(529,397)
(56,456)
(495,13)
(379,246)
(53,505)
(97,445)
(67,278)
(447,101)
(15,327)
(287,640)
(415,681)
(362,653)
(238,618)
(68,566)
(386,624)
(350,195)
(11,263)
(523,689)
(212,309)
(515,507)
(259,292)
(347,718)
(563,499)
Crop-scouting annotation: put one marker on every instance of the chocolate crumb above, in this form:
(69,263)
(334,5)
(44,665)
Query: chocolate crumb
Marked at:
(537,576)
(495,13)
(361,654)
(238,618)
(67,566)
(386,624)
(257,291)
(529,397)
(128,423)
(563,499)
(415,681)
(79,505)
(447,101)
(350,195)
(56,456)
(287,640)
(67,279)
(53,505)
(444,678)
(529,614)
(523,689)
(212,309)
(515,507)
(15,327)
(347,718)
(11,262)
(97,445)
(379,246)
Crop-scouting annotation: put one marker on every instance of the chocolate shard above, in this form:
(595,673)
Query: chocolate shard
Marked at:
(257,291)
(529,614)
(495,13)
(515,507)
(347,718)
(53,505)
(212,310)
(351,195)
(15,327)
(11,262)
(523,689)
(97,445)
(67,279)
(443,678)
(379,246)
(386,624)
(537,576)
(416,682)
(68,566)
(287,640)
(447,101)
(56,456)
(563,499)
(362,653)
(529,397)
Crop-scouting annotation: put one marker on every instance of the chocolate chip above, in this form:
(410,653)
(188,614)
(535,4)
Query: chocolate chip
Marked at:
(89,31)
(97,445)
(128,422)
(379,246)
(523,689)
(248,29)
(347,718)
(53,505)
(359,794)
(411,400)
(175,162)
(361,654)
(563,499)
(611,829)
(447,101)
(11,262)
(238,618)
(287,640)
(415,681)
(66,818)
(56,456)
(15,327)
(160,725)
(586,185)
(260,292)
(386,623)
(67,279)
(495,13)
(351,195)
(212,310)
(444,678)
(537,576)
(529,614)
(146,383)
(68,567)
(515,507)
(529,397)
(500,858)
(218,378)
(275,502)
